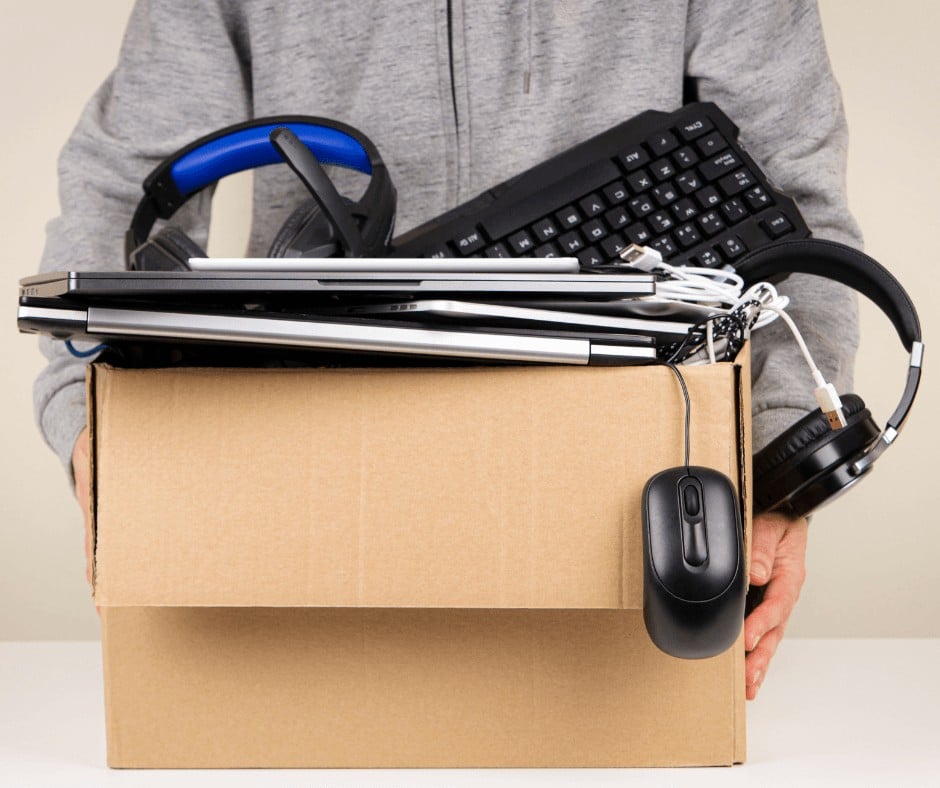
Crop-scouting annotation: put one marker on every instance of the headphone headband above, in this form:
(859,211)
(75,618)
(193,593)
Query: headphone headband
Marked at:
(841,264)
(860,272)
(245,146)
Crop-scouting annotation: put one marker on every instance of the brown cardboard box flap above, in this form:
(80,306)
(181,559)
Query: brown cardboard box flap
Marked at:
(322,687)
(471,487)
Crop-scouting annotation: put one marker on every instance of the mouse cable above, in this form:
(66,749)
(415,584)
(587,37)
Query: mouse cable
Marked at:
(688,406)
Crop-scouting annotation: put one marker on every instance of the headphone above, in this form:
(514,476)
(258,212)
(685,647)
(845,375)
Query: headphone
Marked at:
(327,225)
(811,463)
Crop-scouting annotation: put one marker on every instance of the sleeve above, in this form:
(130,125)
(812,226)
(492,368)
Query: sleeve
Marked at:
(764,62)
(183,71)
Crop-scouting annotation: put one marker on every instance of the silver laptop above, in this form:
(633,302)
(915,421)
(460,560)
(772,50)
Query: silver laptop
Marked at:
(103,324)
(232,285)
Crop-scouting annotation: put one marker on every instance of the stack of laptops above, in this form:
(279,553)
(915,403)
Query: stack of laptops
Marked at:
(518,310)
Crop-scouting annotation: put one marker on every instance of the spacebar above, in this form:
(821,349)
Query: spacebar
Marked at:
(547,200)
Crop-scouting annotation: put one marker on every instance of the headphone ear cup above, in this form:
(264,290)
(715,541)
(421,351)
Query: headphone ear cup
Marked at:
(306,233)
(168,250)
(807,451)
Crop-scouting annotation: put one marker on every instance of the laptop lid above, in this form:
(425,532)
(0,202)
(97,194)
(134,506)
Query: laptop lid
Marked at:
(106,323)
(495,265)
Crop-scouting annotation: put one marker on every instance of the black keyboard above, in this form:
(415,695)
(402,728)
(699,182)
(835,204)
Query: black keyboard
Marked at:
(679,182)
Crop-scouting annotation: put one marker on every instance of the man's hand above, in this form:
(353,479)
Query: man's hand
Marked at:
(778,560)
(81,470)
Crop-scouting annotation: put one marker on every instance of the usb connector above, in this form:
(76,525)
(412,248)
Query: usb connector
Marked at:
(830,403)
(643,257)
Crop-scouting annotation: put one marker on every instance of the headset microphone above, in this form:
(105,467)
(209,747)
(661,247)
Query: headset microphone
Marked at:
(302,161)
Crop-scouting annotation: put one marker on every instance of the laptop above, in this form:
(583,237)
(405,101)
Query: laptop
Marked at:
(84,286)
(63,320)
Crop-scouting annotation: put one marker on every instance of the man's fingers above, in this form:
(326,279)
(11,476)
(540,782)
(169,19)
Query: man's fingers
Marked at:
(765,536)
(756,663)
(779,601)
(82,473)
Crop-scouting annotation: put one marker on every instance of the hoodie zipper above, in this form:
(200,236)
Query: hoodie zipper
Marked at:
(450,58)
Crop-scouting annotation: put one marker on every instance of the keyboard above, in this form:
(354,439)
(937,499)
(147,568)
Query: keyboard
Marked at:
(679,182)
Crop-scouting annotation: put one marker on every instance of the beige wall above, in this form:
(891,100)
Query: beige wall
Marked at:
(872,557)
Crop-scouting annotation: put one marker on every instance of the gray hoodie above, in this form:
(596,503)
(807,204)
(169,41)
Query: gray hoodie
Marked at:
(458,95)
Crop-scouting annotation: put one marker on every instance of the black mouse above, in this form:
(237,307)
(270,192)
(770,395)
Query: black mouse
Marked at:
(693,575)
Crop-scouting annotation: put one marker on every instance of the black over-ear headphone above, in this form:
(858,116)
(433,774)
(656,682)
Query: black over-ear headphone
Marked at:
(328,225)
(811,463)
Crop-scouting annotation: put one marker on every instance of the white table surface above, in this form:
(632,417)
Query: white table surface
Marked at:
(831,712)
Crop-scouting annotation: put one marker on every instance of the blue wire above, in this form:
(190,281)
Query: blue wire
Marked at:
(83,353)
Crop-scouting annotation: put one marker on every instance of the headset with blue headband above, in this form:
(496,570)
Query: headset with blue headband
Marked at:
(328,225)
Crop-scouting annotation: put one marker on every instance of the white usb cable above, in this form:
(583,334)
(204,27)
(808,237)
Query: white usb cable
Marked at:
(825,392)
(722,288)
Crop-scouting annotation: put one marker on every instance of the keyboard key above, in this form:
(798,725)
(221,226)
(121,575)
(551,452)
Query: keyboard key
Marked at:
(616,193)
(776,224)
(758,199)
(612,245)
(687,235)
(689,182)
(711,223)
(594,230)
(662,169)
(665,194)
(640,181)
(617,218)
(497,250)
(661,222)
(546,250)
(732,247)
(710,145)
(633,157)
(734,211)
(665,246)
(641,206)
(638,234)
(544,230)
(707,259)
(685,209)
(719,165)
(662,143)
(440,251)
(592,205)
(571,243)
(469,242)
(694,128)
(521,243)
(736,182)
(568,217)
(685,157)
(708,197)
(591,256)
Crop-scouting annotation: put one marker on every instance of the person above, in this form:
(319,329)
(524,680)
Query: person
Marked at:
(458,94)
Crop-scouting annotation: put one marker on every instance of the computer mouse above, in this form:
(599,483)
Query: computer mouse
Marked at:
(693,576)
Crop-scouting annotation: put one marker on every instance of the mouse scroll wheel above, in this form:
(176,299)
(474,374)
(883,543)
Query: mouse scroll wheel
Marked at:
(691,500)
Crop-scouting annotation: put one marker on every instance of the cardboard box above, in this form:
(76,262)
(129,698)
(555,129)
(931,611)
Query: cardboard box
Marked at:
(399,568)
